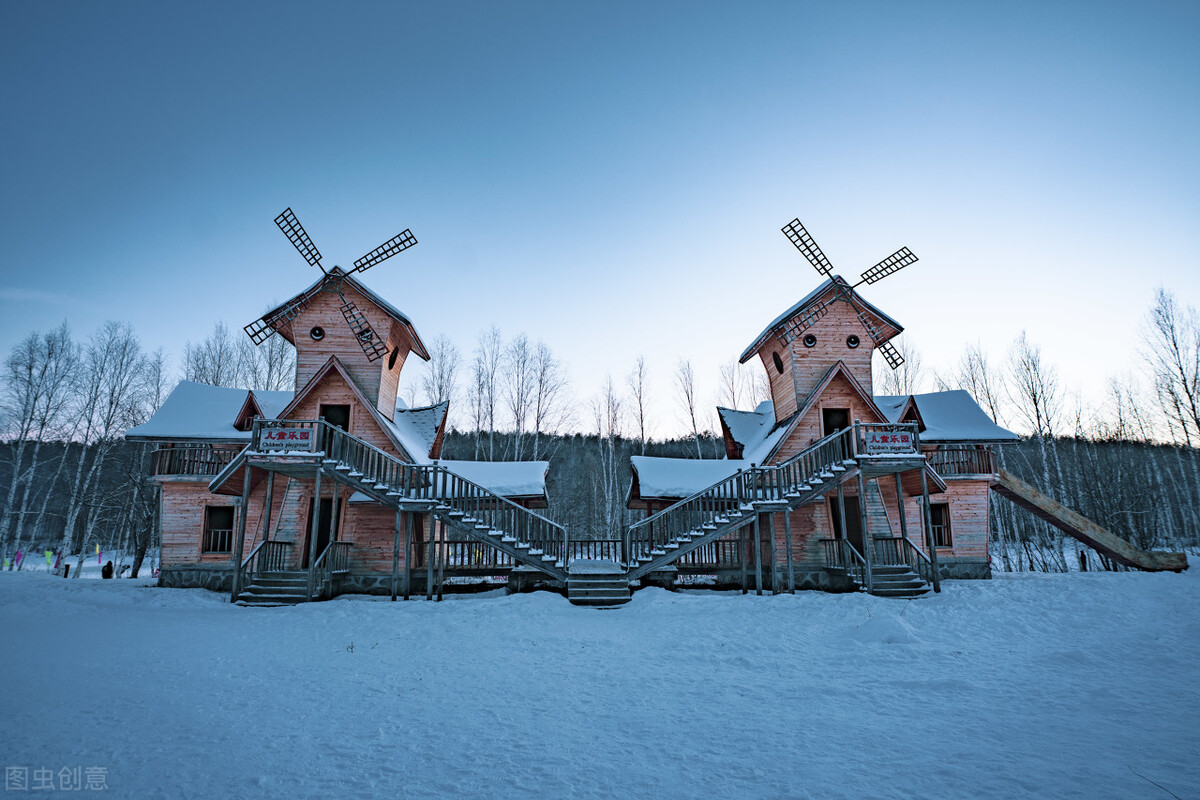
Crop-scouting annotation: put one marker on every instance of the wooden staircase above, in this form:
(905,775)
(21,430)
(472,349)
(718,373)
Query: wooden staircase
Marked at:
(276,588)
(733,503)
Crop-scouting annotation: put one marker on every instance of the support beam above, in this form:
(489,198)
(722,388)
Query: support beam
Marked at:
(396,554)
(239,544)
(772,570)
(756,532)
(787,538)
(429,551)
(441,573)
(270,498)
(933,559)
(312,536)
(868,542)
(408,550)
(900,505)
(742,544)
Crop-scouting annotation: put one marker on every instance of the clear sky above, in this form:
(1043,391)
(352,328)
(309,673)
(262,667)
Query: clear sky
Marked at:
(608,177)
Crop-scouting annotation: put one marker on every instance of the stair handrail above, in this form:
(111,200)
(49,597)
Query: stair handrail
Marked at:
(918,560)
(334,558)
(433,482)
(244,576)
(845,556)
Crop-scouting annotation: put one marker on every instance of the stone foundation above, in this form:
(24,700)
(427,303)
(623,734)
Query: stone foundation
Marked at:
(215,578)
(965,570)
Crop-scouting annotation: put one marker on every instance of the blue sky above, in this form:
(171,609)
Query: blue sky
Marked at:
(608,177)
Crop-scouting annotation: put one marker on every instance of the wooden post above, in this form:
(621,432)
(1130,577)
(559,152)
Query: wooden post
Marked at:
(266,531)
(429,550)
(441,579)
(868,542)
(312,536)
(771,567)
(787,538)
(239,542)
(408,549)
(756,532)
(933,560)
(396,554)
(900,505)
(742,545)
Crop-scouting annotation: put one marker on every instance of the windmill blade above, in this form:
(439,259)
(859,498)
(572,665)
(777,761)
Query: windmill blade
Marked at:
(806,245)
(385,251)
(364,334)
(264,328)
(894,359)
(893,263)
(296,234)
(793,331)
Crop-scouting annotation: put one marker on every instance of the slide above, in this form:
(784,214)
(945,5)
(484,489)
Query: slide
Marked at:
(1083,529)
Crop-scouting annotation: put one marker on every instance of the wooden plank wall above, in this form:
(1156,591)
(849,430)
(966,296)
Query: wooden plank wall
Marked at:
(838,394)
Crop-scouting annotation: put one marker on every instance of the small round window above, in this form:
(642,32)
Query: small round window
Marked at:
(317,333)
(778,362)
(852,341)
(810,340)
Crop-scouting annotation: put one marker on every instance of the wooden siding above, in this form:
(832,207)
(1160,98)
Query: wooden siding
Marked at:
(838,394)
(811,363)
(324,310)
(333,390)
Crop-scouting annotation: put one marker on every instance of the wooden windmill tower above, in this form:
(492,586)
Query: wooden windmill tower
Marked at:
(339,317)
(826,327)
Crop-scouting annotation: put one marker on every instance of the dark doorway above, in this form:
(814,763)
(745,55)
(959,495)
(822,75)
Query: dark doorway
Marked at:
(853,522)
(327,524)
(337,416)
(834,419)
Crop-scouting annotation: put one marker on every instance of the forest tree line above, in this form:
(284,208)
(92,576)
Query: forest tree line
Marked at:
(71,481)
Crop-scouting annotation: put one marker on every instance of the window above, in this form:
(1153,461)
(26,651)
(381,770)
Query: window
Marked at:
(810,340)
(778,362)
(218,529)
(852,341)
(939,522)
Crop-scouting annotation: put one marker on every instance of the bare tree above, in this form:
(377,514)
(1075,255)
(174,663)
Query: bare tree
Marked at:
(760,387)
(219,360)
(636,380)
(485,380)
(551,405)
(685,382)
(517,386)
(440,382)
(1172,349)
(606,415)
(905,379)
(732,384)
(271,366)
(37,388)
(979,379)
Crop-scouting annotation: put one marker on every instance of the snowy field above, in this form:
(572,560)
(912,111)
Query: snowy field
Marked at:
(1030,685)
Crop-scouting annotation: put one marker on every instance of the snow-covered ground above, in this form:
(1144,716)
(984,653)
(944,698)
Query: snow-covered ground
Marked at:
(1029,685)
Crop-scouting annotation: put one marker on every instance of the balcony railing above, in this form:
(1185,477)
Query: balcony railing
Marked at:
(973,461)
(200,461)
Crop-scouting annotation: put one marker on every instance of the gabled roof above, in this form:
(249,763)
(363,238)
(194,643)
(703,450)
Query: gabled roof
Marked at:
(753,432)
(418,429)
(197,411)
(671,478)
(810,299)
(949,417)
(334,365)
(384,306)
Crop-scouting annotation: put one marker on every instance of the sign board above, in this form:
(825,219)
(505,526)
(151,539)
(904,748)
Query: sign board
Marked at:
(880,442)
(288,439)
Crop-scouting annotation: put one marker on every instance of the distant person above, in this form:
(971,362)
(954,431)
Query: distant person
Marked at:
(107,570)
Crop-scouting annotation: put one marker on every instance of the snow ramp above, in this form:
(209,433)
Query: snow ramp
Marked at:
(1075,524)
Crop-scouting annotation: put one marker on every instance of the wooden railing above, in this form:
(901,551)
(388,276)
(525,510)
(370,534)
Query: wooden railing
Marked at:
(973,461)
(390,477)
(898,551)
(334,559)
(268,556)
(217,540)
(841,554)
(199,460)
(713,506)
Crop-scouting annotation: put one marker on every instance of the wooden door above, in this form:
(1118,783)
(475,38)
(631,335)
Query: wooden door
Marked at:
(853,521)
(327,525)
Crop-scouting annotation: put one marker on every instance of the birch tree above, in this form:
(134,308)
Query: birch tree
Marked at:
(636,381)
(440,382)
(551,405)
(685,382)
(485,377)
(517,388)
(606,416)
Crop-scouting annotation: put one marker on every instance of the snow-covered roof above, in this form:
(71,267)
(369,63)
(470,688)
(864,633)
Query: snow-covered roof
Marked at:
(808,298)
(506,478)
(755,430)
(199,411)
(951,416)
(416,429)
(681,477)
